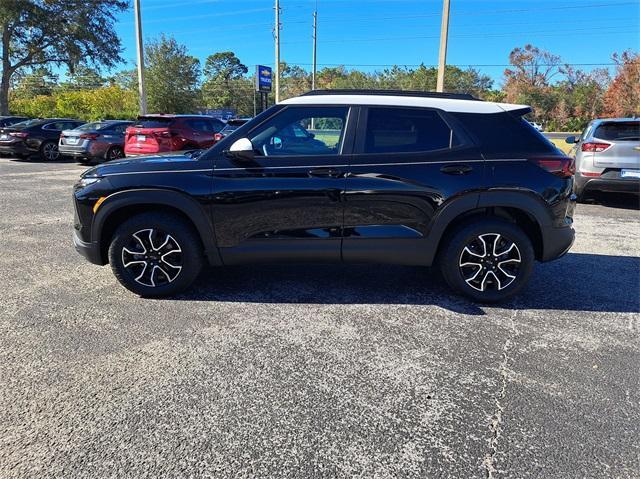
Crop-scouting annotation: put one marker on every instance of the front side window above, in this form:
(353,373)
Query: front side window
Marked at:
(405,130)
(302,131)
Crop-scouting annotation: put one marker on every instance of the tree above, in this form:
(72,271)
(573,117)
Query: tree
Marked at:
(171,77)
(623,96)
(39,33)
(38,81)
(83,78)
(225,85)
(533,67)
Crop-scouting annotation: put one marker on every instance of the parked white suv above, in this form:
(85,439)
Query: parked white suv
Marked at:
(607,156)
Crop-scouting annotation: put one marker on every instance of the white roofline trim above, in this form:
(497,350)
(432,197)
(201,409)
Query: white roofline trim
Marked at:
(446,104)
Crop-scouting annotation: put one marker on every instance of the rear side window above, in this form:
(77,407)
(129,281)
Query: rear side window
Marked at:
(504,135)
(403,130)
(154,122)
(618,131)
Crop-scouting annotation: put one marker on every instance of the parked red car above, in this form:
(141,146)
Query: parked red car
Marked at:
(160,133)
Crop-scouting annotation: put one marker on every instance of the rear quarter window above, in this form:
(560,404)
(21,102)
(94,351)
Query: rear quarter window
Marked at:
(618,131)
(502,135)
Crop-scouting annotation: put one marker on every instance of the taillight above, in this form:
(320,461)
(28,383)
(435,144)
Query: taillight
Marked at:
(18,134)
(595,147)
(564,167)
(218,137)
(89,136)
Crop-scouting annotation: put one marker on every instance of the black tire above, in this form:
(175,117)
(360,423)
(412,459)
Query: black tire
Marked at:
(114,153)
(495,279)
(126,255)
(49,151)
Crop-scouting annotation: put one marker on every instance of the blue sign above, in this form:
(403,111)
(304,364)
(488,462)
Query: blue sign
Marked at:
(263,78)
(222,113)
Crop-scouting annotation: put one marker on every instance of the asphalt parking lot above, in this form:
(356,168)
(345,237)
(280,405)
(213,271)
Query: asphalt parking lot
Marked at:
(312,371)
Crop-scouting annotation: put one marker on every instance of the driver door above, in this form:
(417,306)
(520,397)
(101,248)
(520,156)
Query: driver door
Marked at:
(286,203)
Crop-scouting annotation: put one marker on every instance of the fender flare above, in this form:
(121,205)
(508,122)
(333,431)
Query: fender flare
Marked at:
(193,210)
(527,201)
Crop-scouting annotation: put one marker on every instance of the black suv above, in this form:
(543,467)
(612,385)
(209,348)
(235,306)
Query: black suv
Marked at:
(341,176)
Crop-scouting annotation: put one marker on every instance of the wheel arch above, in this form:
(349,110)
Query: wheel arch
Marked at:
(123,205)
(526,210)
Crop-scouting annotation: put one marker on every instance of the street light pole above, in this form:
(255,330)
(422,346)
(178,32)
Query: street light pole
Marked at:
(444,35)
(277,65)
(315,50)
(141,89)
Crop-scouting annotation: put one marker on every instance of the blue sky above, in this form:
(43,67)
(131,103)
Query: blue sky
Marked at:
(372,34)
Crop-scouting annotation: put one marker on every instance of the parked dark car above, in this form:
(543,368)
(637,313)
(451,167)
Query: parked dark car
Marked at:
(232,125)
(11,120)
(97,141)
(35,137)
(388,177)
(162,133)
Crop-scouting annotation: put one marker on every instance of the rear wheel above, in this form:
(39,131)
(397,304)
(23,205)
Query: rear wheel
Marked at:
(154,254)
(49,151)
(114,153)
(488,260)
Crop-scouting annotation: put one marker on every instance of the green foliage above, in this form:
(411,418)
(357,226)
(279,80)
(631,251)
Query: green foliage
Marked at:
(110,102)
(172,77)
(37,32)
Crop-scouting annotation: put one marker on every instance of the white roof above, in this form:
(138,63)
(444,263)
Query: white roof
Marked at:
(446,104)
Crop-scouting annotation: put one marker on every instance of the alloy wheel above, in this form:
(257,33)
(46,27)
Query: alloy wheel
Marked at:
(152,257)
(50,151)
(116,153)
(490,262)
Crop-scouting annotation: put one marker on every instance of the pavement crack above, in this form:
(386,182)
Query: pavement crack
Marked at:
(495,427)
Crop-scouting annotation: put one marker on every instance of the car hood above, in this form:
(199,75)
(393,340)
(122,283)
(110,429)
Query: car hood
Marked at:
(174,161)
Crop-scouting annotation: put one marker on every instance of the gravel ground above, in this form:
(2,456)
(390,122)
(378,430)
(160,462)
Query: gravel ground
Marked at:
(312,372)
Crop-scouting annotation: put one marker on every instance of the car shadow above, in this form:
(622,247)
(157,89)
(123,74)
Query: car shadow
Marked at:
(576,282)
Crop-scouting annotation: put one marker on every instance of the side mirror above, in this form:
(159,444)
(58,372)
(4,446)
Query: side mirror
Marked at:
(571,140)
(241,149)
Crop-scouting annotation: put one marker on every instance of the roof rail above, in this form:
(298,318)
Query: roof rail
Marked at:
(425,94)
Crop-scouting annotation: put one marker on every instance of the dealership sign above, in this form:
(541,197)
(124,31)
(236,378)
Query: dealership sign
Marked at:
(263,79)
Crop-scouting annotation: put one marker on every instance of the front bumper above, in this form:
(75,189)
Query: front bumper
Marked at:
(609,181)
(91,251)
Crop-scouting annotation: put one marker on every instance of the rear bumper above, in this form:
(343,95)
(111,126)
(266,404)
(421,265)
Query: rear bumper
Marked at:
(557,242)
(18,148)
(609,182)
(91,251)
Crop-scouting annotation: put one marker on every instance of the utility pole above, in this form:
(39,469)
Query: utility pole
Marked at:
(277,65)
(444,35)
(315,48)
(141,90)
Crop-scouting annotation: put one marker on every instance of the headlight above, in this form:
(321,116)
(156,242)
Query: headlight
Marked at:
(88,180)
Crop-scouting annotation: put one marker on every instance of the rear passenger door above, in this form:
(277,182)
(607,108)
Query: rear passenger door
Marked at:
(407,163)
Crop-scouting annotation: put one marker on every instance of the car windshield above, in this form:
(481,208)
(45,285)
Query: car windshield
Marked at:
(619,131)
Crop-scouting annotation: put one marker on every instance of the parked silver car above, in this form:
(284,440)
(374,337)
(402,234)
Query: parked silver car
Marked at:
(97,141)
(607,156)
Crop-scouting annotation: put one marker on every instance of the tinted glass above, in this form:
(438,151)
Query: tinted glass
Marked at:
(201,125)
(400,130)
(26,123)
(153,122)
(618,131)
(216,125)
(302,131)
(505,135)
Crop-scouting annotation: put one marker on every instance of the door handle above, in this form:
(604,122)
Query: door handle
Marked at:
(456,169)
(324,173)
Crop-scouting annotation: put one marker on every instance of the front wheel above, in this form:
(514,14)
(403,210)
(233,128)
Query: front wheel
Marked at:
(154,254)
(488,260)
